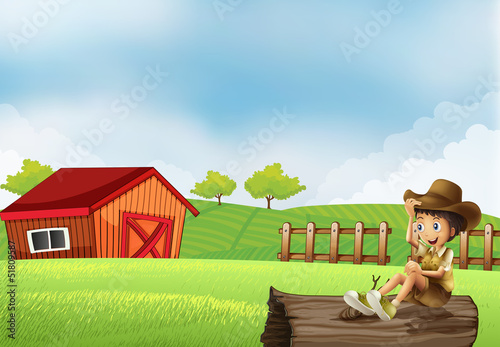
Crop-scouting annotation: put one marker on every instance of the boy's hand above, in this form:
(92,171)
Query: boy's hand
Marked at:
(410,206)
(412,267)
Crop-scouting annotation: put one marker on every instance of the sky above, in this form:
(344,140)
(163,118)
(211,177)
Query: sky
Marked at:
(360,100)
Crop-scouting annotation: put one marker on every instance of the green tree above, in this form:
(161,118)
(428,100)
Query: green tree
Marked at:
(271,183)
(32,173)
(214,186)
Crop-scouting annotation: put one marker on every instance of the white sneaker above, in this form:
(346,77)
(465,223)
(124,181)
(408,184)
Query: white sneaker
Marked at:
(358,301)
(381,305)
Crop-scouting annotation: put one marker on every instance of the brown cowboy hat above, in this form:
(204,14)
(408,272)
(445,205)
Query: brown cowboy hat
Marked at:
(444,195)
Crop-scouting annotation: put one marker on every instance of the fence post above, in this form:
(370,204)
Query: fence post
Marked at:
(285,242)
(334,243)
(488,247)
(358,243)
(311,232)
(464,250)
(382,243)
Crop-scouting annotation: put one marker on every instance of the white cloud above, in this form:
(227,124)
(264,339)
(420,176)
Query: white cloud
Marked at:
(192,149)
(46,145)
(425,141)
(70,22)
(471,163)
(10,164)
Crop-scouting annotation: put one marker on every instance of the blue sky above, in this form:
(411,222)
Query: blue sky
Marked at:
(231,67)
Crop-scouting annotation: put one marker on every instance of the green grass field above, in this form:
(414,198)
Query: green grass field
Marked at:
(216,294)
(189,302)
(250,233)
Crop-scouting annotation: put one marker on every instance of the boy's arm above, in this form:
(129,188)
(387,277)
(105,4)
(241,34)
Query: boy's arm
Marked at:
(414,267)
(410,209)
(436,274)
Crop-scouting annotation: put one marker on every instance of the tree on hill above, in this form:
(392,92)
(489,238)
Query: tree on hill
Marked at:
(215,186)
(271,183)
(32,173)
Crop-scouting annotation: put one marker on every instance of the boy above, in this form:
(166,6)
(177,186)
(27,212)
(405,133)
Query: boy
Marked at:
(440,216)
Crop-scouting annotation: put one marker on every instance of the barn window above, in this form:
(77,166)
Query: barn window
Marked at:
(45,240)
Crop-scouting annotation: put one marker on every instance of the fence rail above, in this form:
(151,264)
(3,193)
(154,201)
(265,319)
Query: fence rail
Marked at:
(335,231)
(464,260)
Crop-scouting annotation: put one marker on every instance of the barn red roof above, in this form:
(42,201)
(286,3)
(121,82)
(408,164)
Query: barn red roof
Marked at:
(81,191)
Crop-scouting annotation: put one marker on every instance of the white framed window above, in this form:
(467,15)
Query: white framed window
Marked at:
(50,239)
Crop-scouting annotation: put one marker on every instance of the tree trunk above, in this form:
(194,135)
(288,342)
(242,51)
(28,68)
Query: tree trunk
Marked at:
(218,196)
(269,198)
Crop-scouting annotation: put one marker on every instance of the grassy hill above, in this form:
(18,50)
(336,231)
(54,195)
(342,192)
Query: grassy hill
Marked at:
(242,232)
(191,302)
(213,302)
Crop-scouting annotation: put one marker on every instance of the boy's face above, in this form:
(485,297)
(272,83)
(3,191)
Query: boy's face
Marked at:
(434,231)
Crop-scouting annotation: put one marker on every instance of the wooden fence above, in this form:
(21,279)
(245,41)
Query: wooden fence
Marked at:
(464,260)
(335,231)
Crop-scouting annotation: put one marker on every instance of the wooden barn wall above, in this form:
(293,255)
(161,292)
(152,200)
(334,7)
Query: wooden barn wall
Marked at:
(150,198)
(81,236)
(178,228)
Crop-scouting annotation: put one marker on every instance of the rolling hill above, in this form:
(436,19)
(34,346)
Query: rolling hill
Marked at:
(242,232)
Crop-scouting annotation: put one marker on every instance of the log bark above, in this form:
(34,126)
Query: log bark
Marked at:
(308,320)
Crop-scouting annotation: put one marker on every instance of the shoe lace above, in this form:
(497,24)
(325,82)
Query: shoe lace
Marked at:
(362,297)
(384,301)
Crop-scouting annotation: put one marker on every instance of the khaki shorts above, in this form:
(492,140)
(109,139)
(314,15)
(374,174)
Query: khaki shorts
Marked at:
(433,295)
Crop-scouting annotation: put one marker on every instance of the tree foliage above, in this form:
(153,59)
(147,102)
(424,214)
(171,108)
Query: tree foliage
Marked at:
(32,173)
(271,183)
(214,186)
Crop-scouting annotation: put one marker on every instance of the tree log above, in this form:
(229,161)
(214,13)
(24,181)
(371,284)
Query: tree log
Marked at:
(309,320)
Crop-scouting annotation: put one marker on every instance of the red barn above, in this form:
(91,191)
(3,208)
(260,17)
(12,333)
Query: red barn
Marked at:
(98,213)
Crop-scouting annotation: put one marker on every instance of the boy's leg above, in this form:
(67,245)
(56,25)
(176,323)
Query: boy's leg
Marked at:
(397,279)
(381,305)
(414,279)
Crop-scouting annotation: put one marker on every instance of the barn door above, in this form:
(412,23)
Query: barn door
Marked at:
(145,236)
